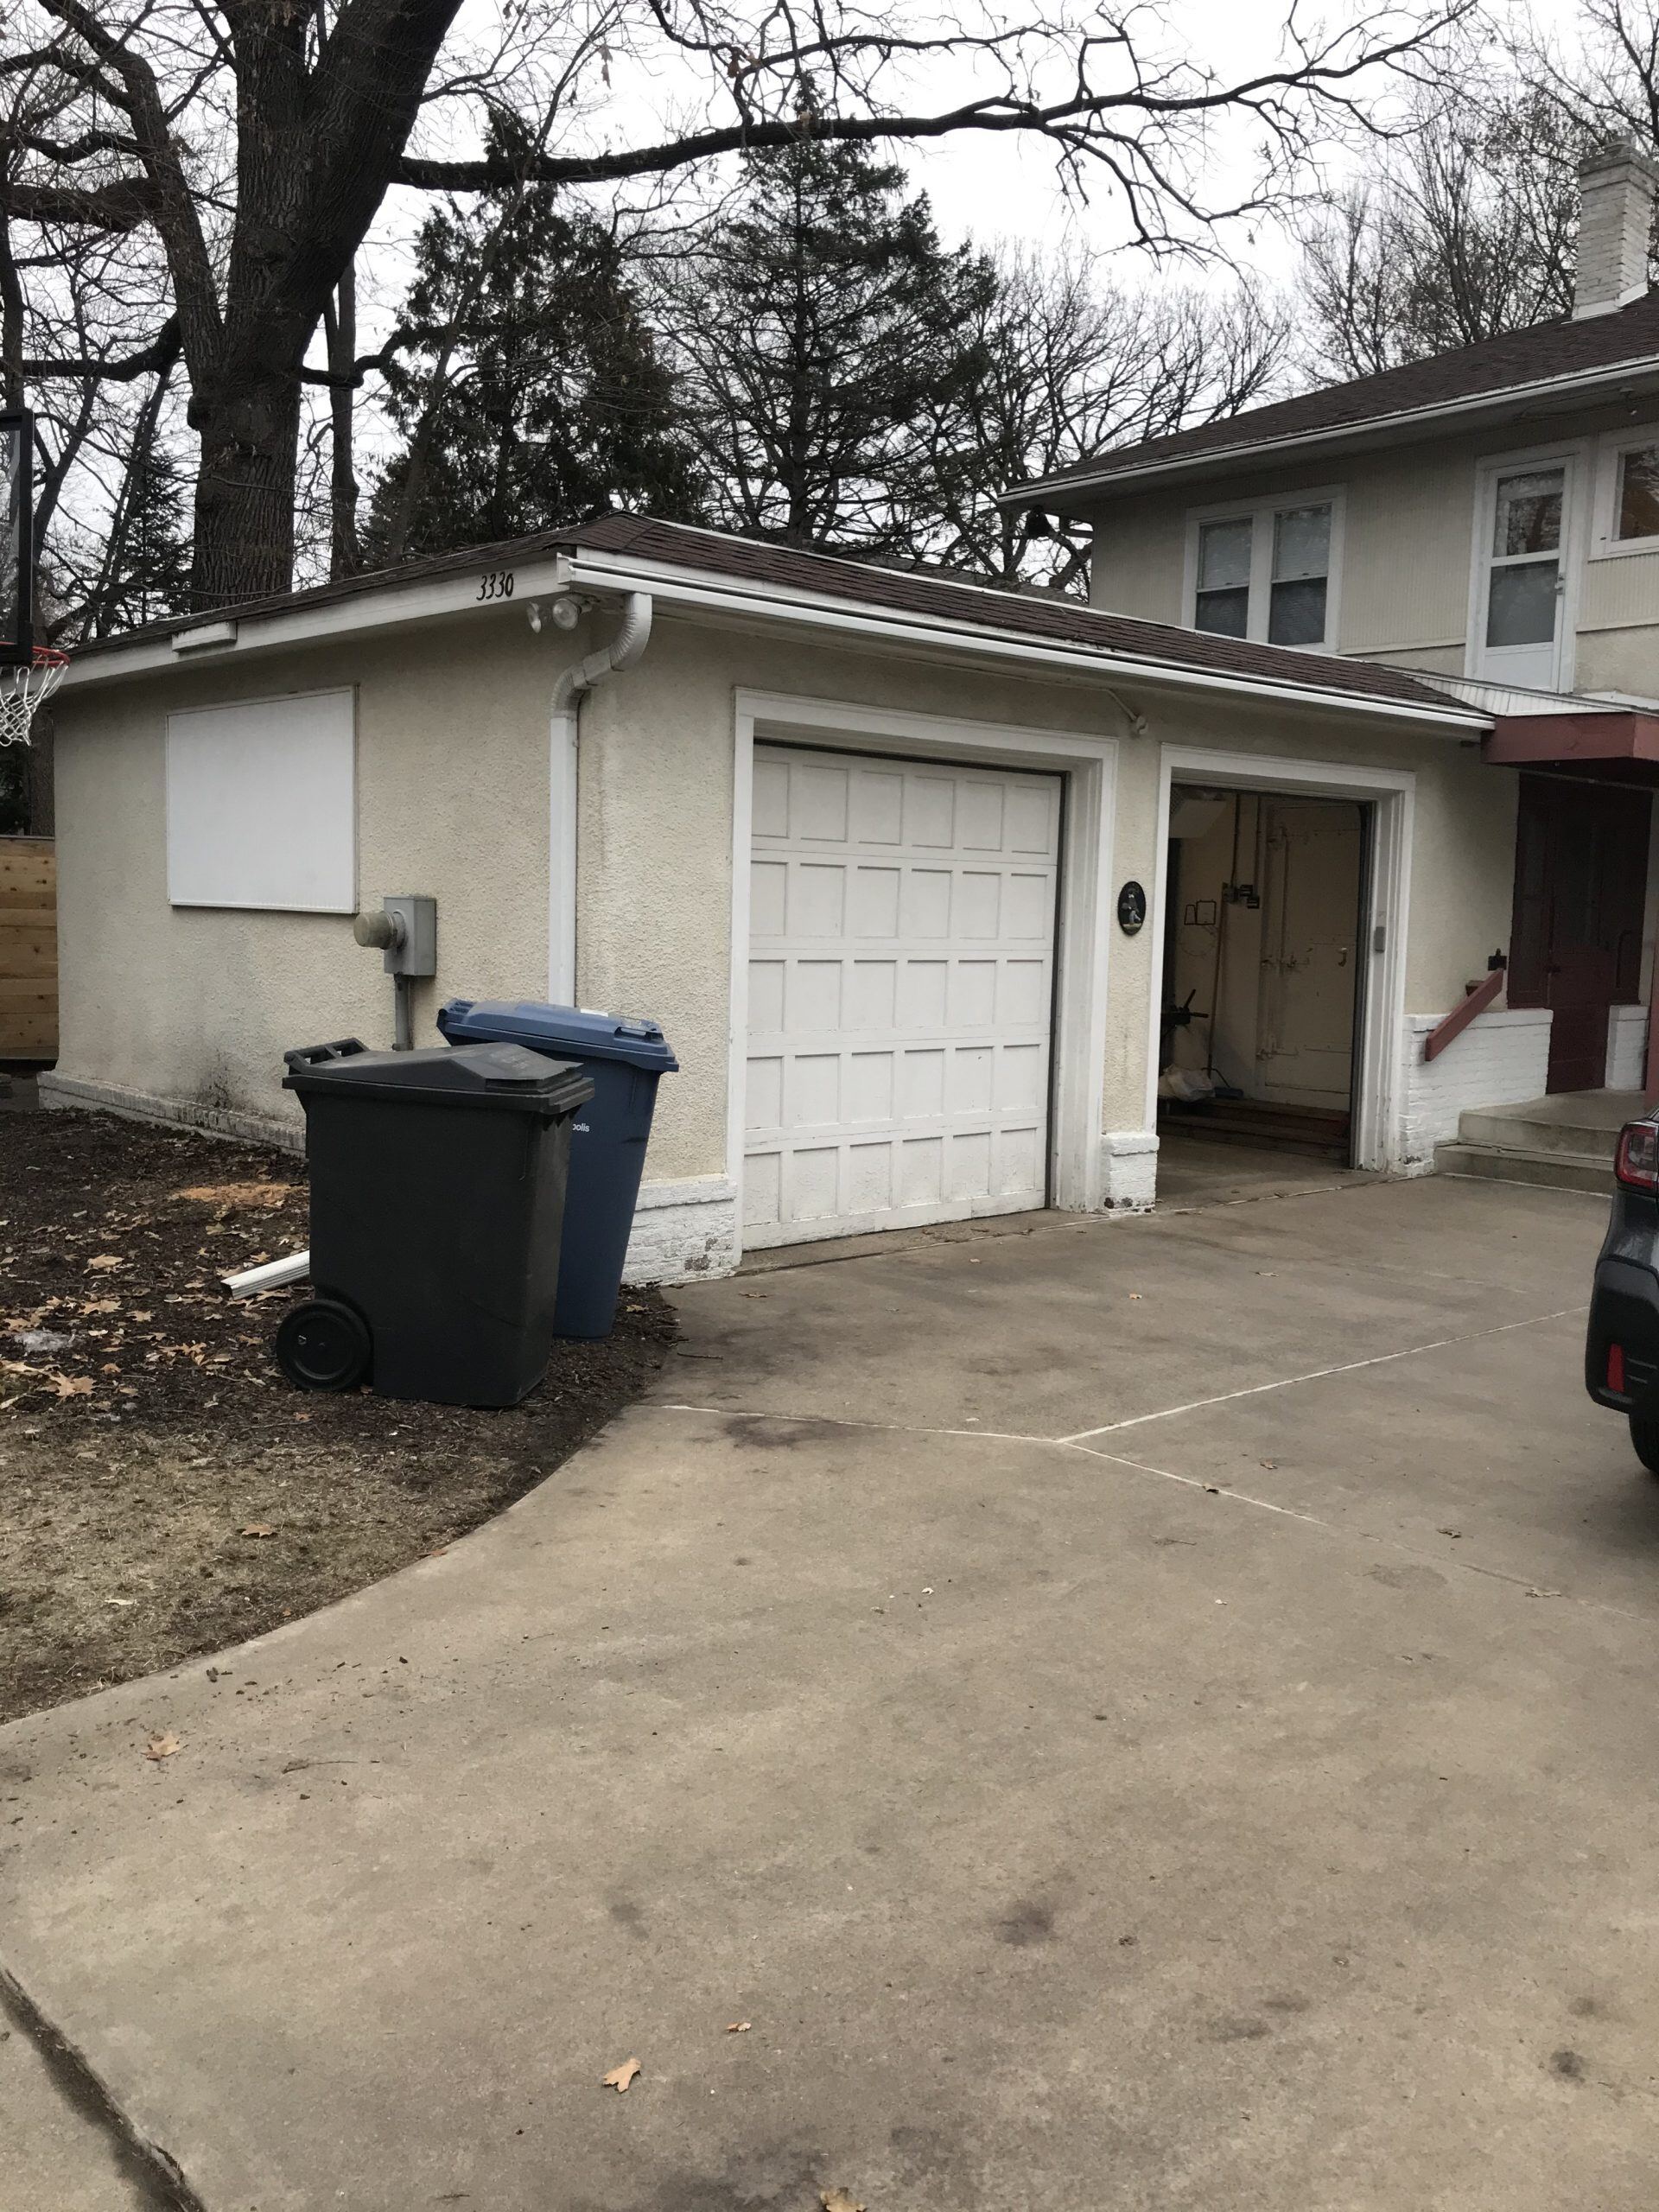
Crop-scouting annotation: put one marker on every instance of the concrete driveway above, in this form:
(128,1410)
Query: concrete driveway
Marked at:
(1132,1714)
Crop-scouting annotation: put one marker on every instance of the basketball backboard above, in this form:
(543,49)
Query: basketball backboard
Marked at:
(16,520)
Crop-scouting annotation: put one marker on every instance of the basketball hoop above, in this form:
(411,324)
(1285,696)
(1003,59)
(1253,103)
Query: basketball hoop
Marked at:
(25,690)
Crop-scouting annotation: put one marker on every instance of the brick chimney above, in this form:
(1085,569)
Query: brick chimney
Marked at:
(1616,190)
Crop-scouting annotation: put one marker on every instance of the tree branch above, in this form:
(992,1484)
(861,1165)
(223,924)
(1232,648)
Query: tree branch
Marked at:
(158,355)
(1080,122)
(366,365)
(126,205)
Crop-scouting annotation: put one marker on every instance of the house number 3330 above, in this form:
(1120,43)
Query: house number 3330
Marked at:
(497,584)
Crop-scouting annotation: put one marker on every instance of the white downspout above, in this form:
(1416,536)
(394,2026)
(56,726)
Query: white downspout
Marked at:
(624,651)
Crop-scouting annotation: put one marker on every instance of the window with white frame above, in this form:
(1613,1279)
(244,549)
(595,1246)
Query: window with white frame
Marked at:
(1267,572)
(1628,494)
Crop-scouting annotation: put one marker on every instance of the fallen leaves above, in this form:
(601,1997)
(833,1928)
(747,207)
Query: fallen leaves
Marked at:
(619,2076)
(163,1747)
(262,1197)
(101,1262)
(840,2200)
(737,2027)
(259,1528)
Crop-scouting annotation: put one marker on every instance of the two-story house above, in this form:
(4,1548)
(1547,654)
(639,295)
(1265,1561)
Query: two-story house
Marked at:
(1491,518)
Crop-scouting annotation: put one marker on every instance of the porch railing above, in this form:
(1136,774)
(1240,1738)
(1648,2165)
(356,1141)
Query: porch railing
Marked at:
(1480,997)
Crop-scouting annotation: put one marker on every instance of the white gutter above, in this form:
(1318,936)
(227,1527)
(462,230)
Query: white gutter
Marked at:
(1585,383)
(389,606)
(599,571)
(392,607)
(625,651)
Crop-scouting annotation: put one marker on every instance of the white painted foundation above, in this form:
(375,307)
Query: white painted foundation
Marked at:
(1501,1060)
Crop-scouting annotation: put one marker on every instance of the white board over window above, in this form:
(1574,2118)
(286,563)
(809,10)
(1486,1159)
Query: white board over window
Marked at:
(261,804)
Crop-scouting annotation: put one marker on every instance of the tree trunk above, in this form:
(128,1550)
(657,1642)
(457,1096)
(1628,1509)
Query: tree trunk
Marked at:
(250,430)
(340,323)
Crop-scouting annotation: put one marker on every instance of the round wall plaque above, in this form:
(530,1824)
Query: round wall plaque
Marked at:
(1131,908)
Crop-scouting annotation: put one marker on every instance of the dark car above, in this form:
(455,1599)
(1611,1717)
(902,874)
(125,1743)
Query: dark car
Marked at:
(1621,1352)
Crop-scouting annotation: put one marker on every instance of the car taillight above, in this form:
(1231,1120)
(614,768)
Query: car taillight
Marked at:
(1616,1368)
(1637,1164)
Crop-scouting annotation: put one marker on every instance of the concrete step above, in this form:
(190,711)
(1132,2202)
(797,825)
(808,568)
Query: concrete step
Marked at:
(1545,1167)
(1584,1124)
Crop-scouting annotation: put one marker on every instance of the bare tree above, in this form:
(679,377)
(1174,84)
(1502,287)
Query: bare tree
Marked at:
(1076,363)
(254,141)
(1463,230)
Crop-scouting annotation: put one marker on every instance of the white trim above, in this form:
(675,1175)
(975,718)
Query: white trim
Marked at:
(681,586)
(389,606)
(1611,449)
(1259,511)
(1572,456)
(1084,939)
(1393,791)
(204,637)
(747,602)
(562,791)
(1397,427)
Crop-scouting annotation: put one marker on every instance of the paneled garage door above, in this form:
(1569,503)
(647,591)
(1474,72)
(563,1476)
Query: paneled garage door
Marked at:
(901,961)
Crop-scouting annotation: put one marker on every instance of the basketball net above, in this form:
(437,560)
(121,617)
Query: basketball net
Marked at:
(26,688)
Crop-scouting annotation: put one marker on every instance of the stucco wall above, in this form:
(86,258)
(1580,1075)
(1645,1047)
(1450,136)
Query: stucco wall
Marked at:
(1406,553)
(197,1007)
(199,1004)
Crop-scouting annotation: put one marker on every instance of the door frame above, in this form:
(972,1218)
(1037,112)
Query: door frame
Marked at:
(1088,766)
(1391,795)
(1573,456)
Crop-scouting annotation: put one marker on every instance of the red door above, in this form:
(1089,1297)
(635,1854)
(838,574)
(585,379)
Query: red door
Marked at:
(1580,886)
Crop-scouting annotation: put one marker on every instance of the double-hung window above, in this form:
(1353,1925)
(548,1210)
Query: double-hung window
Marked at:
(1267,572)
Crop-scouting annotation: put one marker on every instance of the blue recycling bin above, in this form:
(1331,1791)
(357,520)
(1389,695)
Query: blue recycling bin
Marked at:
(624,1059)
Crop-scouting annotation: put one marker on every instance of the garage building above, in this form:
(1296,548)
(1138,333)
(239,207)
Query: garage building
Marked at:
(888,856)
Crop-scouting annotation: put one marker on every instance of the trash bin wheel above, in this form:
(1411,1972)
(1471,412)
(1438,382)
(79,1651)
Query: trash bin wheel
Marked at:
(325,1344)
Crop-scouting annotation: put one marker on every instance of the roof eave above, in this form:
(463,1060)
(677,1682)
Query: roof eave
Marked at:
(705,591)
(550,572)
(1061,495)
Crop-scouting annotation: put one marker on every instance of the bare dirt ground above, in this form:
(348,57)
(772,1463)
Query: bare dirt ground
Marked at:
(163,1489)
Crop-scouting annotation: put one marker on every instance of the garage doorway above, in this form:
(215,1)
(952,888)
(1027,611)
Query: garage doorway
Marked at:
(899,991)
(1266,899)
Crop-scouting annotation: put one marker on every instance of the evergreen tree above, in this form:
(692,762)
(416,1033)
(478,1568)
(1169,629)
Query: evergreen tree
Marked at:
(149,556)
(531,393)
(822,332)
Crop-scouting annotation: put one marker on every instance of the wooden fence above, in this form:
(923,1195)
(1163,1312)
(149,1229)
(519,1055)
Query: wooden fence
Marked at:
(29,949)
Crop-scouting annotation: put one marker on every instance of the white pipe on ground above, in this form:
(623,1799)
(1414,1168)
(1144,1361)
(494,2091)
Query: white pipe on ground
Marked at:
(273,1274)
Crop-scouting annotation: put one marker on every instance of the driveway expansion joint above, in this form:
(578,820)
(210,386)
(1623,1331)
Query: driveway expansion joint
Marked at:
(93,2098)
(1318,1375)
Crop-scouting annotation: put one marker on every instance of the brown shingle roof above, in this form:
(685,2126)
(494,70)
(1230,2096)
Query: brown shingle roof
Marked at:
(928,595)
(1056,618)
(1544,354)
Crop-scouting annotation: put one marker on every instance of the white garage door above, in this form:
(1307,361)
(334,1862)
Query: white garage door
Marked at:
(901,961)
